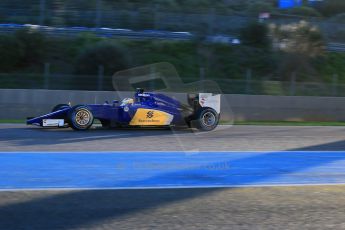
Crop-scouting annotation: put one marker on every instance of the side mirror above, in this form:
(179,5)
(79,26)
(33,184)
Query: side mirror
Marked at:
(115,102)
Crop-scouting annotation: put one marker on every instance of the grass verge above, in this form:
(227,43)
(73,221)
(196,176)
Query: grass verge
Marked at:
(12,121)
(291,123)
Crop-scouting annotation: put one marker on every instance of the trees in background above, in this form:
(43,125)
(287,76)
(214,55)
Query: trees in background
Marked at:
(300,38)
(21,50)
(10,53)
(110,55)
(305,11)
(295,45)
(330,8)
(256,34)
(299,43)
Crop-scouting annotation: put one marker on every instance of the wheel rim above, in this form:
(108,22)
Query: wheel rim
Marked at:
(209,119)
(82,117)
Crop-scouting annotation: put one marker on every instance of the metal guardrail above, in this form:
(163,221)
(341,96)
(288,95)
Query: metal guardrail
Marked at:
(130,34)
(336,47)
(102,32)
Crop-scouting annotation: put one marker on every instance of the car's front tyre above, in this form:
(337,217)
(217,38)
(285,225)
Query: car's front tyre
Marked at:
(80,118)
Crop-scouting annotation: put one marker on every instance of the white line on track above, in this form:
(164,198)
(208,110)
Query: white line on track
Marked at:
(158,151)
(174,187)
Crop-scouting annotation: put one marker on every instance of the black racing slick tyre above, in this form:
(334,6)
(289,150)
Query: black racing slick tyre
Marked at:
(206,119)
(59,107)
(80,118)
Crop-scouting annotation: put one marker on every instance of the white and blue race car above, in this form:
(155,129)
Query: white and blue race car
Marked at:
(146,109)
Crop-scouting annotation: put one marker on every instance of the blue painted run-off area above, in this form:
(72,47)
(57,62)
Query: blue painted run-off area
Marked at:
(168,169)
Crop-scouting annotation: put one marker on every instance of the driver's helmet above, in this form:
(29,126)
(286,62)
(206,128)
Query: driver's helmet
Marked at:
(127,101)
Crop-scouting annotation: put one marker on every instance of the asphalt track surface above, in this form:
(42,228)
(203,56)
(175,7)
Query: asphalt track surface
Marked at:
(17,137)
(302,207)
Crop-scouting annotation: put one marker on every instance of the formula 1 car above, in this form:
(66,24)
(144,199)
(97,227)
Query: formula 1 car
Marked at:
(145,110)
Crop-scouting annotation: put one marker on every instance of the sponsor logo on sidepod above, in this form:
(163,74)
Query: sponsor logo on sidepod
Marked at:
(149,115)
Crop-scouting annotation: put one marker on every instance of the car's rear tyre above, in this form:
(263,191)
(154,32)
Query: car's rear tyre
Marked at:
(206,119)
(59,107)
(80,118)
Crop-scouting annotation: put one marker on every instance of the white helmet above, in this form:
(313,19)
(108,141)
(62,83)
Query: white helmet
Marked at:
(127,101)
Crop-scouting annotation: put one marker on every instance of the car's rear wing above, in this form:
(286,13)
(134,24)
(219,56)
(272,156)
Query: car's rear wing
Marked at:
(202,100)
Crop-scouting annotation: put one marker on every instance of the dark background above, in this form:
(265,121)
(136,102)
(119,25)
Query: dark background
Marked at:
(297,51)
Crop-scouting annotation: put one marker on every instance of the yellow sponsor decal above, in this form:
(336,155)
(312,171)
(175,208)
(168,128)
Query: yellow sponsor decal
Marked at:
(151,117)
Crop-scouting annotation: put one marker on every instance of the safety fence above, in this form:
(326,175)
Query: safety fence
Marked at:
(229,86)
